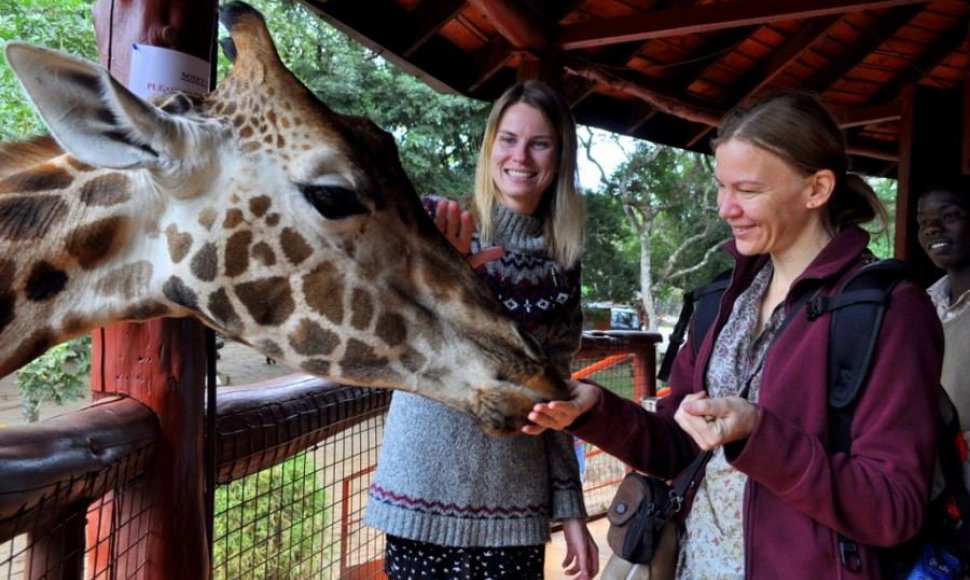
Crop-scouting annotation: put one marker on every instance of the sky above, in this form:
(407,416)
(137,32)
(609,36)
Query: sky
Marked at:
(609,151)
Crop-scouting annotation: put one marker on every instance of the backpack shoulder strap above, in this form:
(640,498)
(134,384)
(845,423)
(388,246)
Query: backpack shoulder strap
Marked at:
(857,311)
(699,311)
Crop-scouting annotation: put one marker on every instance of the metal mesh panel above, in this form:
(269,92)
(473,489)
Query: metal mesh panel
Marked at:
(302,518)
(601,472)
(106,539)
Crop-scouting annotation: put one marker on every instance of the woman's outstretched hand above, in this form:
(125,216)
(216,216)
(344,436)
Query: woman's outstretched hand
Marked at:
(558,415)
(458,226)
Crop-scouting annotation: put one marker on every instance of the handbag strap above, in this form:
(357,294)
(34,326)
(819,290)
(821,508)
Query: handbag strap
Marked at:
(687,480)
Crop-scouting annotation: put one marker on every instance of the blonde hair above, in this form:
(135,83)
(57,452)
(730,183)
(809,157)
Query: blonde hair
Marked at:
(562,207)
(797,127)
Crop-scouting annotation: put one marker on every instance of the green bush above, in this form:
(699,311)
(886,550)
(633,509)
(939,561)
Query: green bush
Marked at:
(60,375)
(271,525)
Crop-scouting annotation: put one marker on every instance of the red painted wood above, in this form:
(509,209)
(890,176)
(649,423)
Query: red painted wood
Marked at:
(160,363)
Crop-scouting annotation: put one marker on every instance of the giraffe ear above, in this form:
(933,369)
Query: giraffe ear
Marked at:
(91,115)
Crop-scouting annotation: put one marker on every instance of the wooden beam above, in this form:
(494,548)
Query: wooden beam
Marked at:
(767,70)
(950,41)
(860,116)
(707,17)
(675,106)
(521,28)
(427,19)
(852,54)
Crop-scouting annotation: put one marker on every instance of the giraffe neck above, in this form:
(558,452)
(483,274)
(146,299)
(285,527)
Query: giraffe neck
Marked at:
(69,259)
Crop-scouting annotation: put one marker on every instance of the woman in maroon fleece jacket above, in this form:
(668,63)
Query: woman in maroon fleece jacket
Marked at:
(774,498)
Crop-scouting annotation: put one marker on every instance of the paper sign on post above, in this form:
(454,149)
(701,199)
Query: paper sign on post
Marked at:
(156,70)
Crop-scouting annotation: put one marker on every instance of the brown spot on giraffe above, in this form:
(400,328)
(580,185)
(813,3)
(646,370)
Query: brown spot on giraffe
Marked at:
(413,360)
(360,357)
(310,338)
(30,217)
(316,367)
(179,293)
(106,190)
(259,205)
(361,309)
(234,217)
(146,310)
(391,328)
(324,292)
(97,242)
(205,262)
(224,313)
(179,244)
(273,219)
(207,218)
(125,281)
(270,348)
(295,247)
(269,301)
(45,281)
(237,253)
(264,254)
(15,157)
(44,177)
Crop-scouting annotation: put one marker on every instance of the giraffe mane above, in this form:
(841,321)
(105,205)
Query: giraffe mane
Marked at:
(20,155)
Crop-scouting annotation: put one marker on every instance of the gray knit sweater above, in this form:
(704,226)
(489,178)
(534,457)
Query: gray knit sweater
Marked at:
(439,478)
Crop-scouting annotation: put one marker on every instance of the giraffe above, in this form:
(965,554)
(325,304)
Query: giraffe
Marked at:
(257,210)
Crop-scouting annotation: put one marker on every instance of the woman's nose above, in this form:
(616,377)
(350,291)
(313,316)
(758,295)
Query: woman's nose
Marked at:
(726,206)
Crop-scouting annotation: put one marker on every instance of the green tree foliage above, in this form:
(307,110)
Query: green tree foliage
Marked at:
(272,524)
(59,24)
(610,265)
(668,198)
(60,376)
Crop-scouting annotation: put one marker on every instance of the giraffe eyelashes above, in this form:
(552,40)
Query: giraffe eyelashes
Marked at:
(333,201)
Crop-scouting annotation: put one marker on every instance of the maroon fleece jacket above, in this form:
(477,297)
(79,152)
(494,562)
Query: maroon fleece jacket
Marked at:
(799,495)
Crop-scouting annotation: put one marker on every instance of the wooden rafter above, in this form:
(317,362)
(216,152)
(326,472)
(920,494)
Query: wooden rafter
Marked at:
(707,18)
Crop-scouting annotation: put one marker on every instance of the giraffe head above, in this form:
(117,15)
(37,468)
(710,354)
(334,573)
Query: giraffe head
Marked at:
(257,210)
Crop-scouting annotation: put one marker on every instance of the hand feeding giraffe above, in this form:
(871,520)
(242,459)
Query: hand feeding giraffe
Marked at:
(257,210)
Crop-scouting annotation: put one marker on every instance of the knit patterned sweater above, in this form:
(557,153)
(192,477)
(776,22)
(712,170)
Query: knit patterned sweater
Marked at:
(440,479)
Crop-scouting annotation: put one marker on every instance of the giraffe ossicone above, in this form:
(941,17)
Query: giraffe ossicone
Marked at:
(257,210)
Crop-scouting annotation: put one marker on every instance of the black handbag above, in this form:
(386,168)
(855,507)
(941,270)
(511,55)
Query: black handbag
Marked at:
(641,509)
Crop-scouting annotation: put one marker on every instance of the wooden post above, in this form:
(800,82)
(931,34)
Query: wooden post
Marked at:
(160,363)
(930,148)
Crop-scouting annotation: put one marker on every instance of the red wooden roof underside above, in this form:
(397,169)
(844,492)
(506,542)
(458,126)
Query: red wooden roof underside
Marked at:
(667,70)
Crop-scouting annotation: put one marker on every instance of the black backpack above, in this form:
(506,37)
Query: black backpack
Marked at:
(857,312)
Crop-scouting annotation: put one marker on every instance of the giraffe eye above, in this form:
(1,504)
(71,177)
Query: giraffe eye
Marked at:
(333,201)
